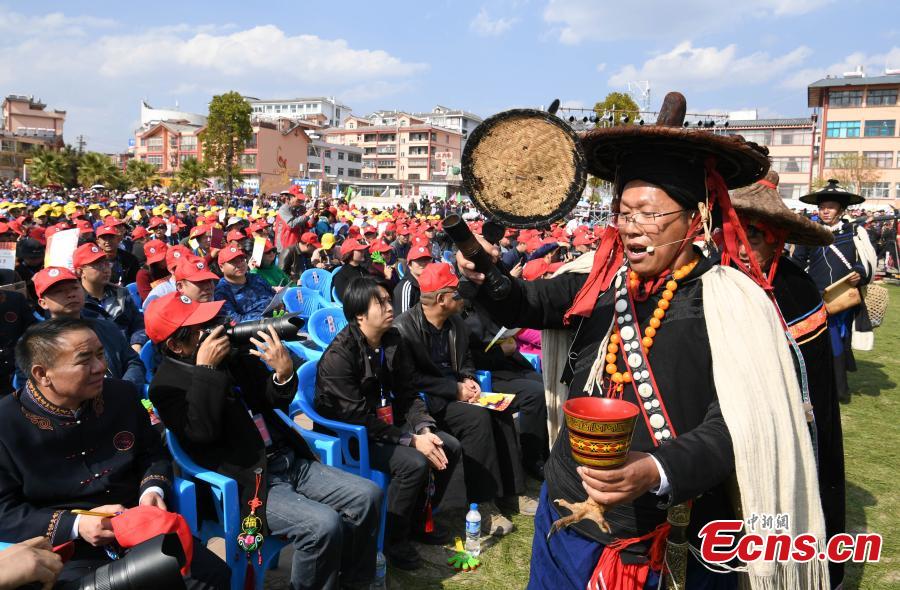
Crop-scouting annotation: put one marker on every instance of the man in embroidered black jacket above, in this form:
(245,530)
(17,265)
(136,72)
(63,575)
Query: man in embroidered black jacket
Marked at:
(72,439)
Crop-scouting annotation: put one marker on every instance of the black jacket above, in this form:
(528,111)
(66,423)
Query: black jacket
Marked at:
(439,389)
(124,268)
(348,387)
(406,294)
(209,412)
(52,461)
(295,262)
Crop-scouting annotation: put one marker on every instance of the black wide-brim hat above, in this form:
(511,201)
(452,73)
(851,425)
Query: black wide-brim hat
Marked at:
(762,200)
(739,162)
(833,192)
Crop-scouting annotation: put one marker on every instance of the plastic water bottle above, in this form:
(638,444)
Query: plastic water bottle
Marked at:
(380,581)
(473,531)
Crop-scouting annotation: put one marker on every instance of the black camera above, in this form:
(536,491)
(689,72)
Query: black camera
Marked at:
(287,327)
(155,563)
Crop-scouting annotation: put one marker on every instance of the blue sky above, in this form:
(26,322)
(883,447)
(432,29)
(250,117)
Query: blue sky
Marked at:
(98,59)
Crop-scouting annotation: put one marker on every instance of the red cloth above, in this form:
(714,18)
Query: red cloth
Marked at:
(612,574)
(136,525)
(143,283)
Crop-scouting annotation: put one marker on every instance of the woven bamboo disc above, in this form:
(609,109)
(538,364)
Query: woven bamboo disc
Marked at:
(524,168)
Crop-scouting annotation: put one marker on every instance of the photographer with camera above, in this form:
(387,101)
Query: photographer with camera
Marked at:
(221,408)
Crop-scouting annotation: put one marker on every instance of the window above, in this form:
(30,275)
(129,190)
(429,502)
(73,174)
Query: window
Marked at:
(838,159)
(387,137)
(340,171)
(183,157)
(251,145)
(155,143)
(842,129)
(422,163)
(369,137)
(386,163)
(340,155)
(792,137)
(327,154)
(880,128)
(875,190)
(315,166)
(434,137)
(327,169)
(879,159)
(155,160)
(881,97)
(189,142)
(312,152)
(760,136)
(791,191)
(415,176)
(354,157)
(790,164)
(845,98)
(386,176)
(353,173)
(7,145)
(248,161)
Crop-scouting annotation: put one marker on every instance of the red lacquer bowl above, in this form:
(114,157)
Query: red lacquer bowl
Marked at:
(600,430)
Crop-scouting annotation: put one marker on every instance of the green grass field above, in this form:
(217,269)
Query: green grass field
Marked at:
(872,448)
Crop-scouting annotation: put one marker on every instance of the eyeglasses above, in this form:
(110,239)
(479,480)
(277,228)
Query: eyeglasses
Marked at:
(640,218)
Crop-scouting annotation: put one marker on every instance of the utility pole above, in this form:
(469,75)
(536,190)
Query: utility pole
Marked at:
(80,141)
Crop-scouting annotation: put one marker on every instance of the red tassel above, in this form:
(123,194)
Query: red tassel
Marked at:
(607,260)
(429,521)
(250,577)
(612,574)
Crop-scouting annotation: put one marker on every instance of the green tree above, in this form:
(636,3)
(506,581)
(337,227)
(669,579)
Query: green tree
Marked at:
(191,175)
(141,175)
(227,132)
(616,104)
(95,168)
(48,168)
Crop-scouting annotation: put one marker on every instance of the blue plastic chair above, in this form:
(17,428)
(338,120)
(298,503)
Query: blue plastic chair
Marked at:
(534,359)
(449,257)
(133,291)
(359,465)
(401,269)
(324,324)
(149,357)
(318,280)
(303,301)
(227,501)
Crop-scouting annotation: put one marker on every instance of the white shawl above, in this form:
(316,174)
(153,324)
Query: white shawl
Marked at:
(759,396)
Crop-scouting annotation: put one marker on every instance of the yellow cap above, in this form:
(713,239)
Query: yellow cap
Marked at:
(327,241)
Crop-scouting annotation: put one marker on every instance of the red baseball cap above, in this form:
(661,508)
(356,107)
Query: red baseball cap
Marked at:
(269,246)
(584,239)
(47,277)
(229,253)
(403,231)
(390,227)
(353,231)
(156,222)
(235,235)
(199,230)
(107,230)
(86,254)
(172,311)
(310,239)
(112,220)
(351,245)
(39,234)
(174,256)
(535,269)
(194,269)
(420,250)
(155,251)
(379,246)
(139,233)
(437,276)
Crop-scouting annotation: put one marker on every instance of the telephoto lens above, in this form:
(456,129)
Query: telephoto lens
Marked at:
(286,326)
(155,563)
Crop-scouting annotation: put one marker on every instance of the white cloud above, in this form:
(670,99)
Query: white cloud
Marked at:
(874,65)
(574,21)
(704,68)
(75,60)
(485,26)
(601,67)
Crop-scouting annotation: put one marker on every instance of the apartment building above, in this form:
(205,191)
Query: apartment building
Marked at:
(27,126)
(324,111)
(858,118)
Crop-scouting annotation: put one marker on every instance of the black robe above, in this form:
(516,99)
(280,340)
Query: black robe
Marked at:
(698,463)
(801,306)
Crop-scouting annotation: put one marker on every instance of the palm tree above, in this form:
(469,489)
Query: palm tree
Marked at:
(47,168)
(191,175)
(95,168)
(140,174)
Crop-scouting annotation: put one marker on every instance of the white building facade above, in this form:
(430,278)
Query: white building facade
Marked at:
(326,111)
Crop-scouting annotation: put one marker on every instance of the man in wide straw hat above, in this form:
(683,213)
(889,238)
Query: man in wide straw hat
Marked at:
(769,224)
(829,264)
(656,324)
